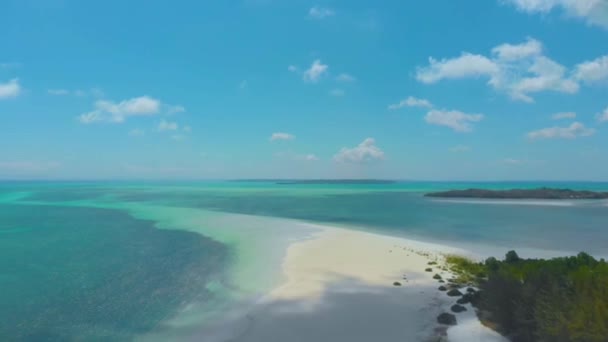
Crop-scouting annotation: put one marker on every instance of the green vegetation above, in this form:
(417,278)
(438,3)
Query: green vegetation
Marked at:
(466,270)
(561,299)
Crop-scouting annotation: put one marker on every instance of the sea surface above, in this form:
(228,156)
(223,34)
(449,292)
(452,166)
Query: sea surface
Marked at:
(141,260)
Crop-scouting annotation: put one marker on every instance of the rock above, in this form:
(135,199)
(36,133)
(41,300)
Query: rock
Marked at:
(454,293)
(446,318)
(442,281)
(436,276)
(458,308)
(397,283)
(429,270)
(471,290)
(431,263)
(463,300)
(442,288)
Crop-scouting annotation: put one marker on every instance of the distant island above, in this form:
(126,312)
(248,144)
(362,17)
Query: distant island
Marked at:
(540,193)
(319,181)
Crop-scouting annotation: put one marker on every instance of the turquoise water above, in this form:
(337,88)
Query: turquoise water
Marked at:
(116,260)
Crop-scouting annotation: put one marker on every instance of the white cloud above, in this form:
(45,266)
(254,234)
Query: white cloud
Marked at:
(510,52)
(603,117)
(10,89)
(564,115)
(460,148)
(411,102)
(137,132)
(281,136)
(292,68)
(592,71)
(345,78)
(456,120)
(315,72)
(317,12)
(576,129)
(548,75)
(167,126)
(467,65)
(337,92)
(517,69)
(365,152)
(594,12)
(178,137)
(109,111)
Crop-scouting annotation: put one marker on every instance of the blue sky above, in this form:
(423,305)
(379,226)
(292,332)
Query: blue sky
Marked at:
(438,90)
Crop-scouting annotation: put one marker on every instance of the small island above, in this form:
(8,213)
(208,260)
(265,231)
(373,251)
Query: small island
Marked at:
(539,193)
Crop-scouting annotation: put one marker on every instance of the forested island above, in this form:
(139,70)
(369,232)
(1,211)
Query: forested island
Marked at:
(539,193)
(561,299)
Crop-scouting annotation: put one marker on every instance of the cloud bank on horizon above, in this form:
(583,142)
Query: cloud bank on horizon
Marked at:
(371,90)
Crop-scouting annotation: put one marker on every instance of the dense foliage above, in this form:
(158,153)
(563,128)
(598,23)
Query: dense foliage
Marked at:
(562,299)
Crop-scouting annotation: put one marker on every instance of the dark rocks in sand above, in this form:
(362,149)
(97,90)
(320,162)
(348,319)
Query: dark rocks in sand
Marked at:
(429,270)
(446,318)
(430,263)
(454,293)
(463,300)
(458,308)
(437,276)
(471,290)
(396,283)
(442,281)
(442,288)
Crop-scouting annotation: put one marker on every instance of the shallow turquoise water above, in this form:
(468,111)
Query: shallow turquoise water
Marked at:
(88,261)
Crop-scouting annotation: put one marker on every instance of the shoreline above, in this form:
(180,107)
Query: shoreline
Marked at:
(349,276)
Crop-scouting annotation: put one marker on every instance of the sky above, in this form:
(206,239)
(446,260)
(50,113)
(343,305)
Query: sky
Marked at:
(224,89)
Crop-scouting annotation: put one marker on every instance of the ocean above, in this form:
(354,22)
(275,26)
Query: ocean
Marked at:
(138,260)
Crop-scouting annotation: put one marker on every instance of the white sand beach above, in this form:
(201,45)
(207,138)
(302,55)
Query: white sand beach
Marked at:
(340,287)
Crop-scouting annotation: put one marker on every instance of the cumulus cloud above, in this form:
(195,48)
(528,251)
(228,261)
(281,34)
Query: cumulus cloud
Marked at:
(510,52)
(456,120)
(315,72)
(281,136)
(167,126)
(564,115)
(411,102)
(575,130)
(467,65)
(520,70)
(345,78)
(118,112)
(592,71)
(365,152)
(317,12)
(594,12)
(10,89)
